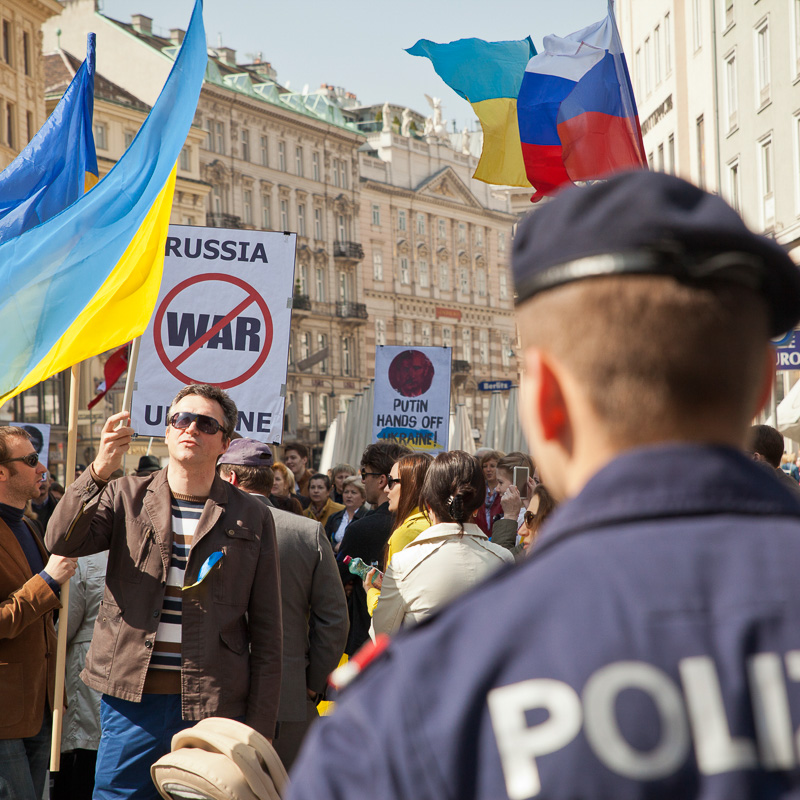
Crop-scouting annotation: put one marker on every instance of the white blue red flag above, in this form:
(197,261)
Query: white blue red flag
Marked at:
(577,114)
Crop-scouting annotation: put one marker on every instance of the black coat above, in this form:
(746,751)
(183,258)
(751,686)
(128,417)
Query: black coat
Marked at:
(335,520)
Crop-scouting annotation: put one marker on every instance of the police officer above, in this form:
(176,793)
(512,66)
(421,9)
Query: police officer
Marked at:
(650,647)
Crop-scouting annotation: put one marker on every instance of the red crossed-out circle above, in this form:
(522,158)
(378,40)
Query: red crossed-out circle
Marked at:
(252,297)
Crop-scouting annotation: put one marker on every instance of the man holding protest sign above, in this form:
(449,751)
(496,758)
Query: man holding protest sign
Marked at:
(190,623)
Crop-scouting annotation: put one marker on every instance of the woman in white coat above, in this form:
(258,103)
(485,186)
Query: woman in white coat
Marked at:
(448,558)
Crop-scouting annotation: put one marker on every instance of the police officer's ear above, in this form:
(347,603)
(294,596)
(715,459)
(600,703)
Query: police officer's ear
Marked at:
(547,395)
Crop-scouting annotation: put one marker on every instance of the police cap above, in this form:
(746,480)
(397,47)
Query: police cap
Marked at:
(651,223)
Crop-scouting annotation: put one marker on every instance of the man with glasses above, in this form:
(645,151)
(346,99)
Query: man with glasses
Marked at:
(30,585)
(366,537)
(190,623)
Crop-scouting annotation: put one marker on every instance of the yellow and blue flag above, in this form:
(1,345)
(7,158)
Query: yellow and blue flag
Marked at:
(488,75)
(87,280)
(52,171)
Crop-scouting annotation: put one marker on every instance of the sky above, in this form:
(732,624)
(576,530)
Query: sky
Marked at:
(359,45)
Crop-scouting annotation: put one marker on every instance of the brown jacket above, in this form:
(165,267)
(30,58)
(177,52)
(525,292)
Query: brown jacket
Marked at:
(27,641)
(231,627)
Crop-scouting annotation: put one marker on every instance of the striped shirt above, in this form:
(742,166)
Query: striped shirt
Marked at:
(167,648)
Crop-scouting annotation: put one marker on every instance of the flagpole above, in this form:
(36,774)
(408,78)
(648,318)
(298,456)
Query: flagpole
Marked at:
(61,647)
(130,382)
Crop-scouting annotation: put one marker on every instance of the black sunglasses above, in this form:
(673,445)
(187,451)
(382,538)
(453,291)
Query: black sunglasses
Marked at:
(32,459)
(183,419)
(390,482)
(530,516)
(364,474)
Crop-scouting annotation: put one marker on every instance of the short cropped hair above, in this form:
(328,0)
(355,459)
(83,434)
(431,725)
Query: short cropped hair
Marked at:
(653,354)
(768,442)
(251,479)
(211,392)
(343,468)
(299,448)
(356,483)
(381,456)
(515,459)
(7,433)
(321,476)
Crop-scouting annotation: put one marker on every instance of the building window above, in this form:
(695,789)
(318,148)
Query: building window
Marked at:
(728,13)
(671,152)
(483,346)
(660,157)
(697,27)
(323,411)
(264,151)
(503,284)
(209,136)
(505,350)
(657,53)
(480,280)
(466,344)
(29,124)
(220,138)
(442,229)
(463,280)
(447,336)
(401,220)
(376,214)
(421,224)
(731,92)
(762,64)
(408,332)
(284,215)
(217,199)
(315,166)
(462,233)
(185,160)
(648,73)
(26,52)
(380,332)
(301,219)
(377,265)
(318,223)
(424,276)
(322,343)
(444,277)
(245,144)
(766,179)
(479,237)
(101,136)
(426,334)
(796,35)
(733,185)
(501,242)
(7,43)
(341,228)
(651,162)
(320,276)
(266,222)
(700,129)
(303,281)
(335,168)
(343,173)
(305,344)
(405,272)
(347,356)
(248,207)
(282,156)
(344,287)
(298,161)
(667,43)
(637,71)
(308,400)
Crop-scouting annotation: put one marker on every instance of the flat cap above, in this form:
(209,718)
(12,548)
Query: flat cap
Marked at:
(651,223)
(147,464)
(247,453)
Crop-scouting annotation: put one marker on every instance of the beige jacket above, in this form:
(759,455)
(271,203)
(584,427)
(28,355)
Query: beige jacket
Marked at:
(440,564)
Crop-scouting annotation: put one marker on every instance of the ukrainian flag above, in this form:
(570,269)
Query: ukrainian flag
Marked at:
(87,280)
(488,75)
(52,171)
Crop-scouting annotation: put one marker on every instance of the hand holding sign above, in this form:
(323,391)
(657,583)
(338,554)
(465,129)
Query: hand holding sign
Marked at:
(114,443)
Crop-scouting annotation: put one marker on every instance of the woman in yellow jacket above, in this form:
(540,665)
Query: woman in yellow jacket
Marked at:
(402,489)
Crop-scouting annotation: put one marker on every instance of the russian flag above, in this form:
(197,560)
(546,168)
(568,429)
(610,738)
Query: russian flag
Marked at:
(577,115)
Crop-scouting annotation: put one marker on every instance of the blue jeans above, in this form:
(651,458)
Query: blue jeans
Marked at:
(23,764)
(134,736)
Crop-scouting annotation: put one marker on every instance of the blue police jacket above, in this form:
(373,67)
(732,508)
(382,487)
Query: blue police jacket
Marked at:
(649,648)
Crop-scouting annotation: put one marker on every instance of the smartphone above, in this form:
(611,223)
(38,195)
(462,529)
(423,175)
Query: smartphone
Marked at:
(521,475)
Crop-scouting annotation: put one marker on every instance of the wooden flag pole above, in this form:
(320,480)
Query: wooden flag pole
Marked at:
(61,648)
(130,380)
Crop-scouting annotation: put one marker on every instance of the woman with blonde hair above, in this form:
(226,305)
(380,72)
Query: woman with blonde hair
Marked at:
(282,496)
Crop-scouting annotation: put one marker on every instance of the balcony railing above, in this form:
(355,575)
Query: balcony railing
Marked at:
(461,367)
(351,250)
(301,302)
(217,220)
(351,310)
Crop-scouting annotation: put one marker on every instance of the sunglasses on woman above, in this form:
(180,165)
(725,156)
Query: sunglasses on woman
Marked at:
(390,482)
(530,518)
(32,459)
(205,424)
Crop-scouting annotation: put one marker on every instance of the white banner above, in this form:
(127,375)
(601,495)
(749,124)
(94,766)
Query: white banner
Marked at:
(412,397)
(222,317)
(40,437)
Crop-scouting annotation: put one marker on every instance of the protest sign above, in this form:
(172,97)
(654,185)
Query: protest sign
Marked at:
(222,317)
(412,397)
